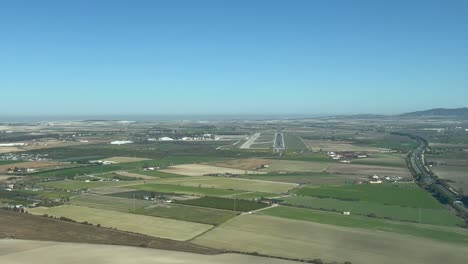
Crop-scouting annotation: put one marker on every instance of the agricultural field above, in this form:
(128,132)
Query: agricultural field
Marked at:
(391,160)
(297,166)
(110,203)
(313,178)
(231,183)
(28,251)
(148,225)
(457,176)
(201,215)
(392,212)
(308,240)
(253,195)
(201,170)
(82,185)
(242,164)
(235,205)
(171,188)
(124,159)
(329,145)
(33,165)
(404,194)
(369,170)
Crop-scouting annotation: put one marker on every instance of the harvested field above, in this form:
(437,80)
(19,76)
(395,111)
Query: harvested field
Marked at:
(188,213)
(457,175)
(200,170)
(109,203)
(34,165)
(135,175)
(25,252)
(325,145)
(299,239)
(392,160)
(148,225)
(242,164)
(27,226)
(225,204)
(82,185)
(369,170)
(125,159)
(297,166)
(231,183)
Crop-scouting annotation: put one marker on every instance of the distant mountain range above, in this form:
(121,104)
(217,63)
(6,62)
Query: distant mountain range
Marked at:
(438,112)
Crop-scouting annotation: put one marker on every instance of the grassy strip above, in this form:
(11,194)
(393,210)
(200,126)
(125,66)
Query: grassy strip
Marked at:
(355,221)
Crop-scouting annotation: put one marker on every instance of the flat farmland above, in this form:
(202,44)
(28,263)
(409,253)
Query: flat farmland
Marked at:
(26,251)
(171,188)
(201,215)
(442,233)
(297,166)
(34,165)
(457,175)
(392,160)
(405,194)
(200,170)
(307,240)
(225,204)
(253,195)
(242,164)
(313,178)
(81,185)
(231,183)
(125,159)
(423,215)
(326,145)
(368,170)
(148,225)
(109,203)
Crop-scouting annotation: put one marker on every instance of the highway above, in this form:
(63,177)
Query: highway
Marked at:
(418,165)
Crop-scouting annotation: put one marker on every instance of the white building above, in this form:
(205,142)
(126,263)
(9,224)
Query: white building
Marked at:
(121,142)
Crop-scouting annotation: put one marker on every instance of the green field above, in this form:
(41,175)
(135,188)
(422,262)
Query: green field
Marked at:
(81,185)
(293,142)
(157,174)
(456,235)
(110,203)
(253,195)
(404,194)
(188,213)
(306,178)
(236,205)
(423,215)
(231,183)
(171,188)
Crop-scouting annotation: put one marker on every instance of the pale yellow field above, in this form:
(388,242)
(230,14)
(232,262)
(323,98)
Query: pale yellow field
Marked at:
(200,170)
(13,251)
(231,183)
(33,165)
(299,239)
(125,159)
(148,225)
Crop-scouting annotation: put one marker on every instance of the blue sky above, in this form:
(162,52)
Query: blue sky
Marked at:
(232,57)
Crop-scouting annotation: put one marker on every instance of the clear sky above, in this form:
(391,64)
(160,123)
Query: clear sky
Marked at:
(232,57)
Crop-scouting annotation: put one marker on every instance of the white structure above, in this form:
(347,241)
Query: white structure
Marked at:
(12,144)
(166,139)
(346,213)
(121,142)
